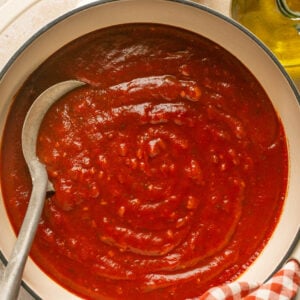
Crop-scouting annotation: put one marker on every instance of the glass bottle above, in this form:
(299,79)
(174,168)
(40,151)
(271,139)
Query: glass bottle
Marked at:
(277,24)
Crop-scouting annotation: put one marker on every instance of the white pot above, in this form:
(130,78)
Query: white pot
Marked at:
(207,23)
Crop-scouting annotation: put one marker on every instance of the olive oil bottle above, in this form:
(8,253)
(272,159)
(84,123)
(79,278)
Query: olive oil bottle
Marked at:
(277,24)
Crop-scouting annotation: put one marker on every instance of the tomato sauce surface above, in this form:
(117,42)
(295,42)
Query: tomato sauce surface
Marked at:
(169,165)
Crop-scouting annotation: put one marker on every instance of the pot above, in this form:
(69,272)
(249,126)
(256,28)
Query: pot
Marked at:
(196,18)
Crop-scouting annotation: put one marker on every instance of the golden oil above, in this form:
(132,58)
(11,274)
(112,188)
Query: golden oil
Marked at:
(277,24)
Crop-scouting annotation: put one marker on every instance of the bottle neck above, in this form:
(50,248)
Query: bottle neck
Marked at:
(287,11)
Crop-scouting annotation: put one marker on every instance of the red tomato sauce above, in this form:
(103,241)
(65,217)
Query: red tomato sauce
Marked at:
(169,165)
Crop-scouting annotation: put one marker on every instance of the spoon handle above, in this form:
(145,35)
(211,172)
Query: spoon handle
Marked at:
(12,276)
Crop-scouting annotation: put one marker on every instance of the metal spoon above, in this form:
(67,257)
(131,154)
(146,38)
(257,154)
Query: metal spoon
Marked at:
(12,276)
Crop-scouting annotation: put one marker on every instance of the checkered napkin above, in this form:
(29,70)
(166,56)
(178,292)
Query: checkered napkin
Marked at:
(282,286)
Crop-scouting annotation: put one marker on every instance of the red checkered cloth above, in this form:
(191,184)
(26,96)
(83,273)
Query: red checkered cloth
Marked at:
(282,286)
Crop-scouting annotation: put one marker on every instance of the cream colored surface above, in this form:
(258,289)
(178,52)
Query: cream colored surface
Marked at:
(34,17)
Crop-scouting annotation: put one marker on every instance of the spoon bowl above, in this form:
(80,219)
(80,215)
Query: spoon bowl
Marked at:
(12,276)
(34,118)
